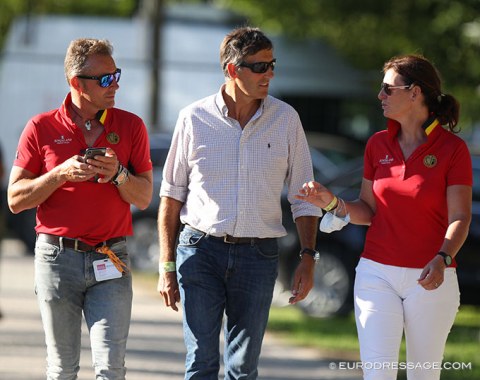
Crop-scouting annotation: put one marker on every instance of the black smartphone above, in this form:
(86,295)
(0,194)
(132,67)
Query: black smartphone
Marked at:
(92,152)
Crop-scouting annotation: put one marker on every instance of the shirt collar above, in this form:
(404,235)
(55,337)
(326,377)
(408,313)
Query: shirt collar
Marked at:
(101,115)
(220,102)
(429,126)
(222,106)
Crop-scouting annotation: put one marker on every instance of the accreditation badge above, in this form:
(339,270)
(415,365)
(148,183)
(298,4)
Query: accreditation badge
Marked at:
(105,270)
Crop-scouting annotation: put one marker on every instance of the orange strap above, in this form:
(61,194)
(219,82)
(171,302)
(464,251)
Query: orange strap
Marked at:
(119,264)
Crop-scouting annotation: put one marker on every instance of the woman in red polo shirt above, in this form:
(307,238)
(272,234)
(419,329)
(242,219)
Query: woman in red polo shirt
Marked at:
(416,197)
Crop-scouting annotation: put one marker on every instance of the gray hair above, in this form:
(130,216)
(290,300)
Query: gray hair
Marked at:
(80,50)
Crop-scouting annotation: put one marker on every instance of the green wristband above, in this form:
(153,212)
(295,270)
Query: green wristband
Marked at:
(167,266)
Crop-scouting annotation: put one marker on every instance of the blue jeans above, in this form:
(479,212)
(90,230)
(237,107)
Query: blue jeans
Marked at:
(218,278)
(65,286)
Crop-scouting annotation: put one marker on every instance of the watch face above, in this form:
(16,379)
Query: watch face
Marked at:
(448,260)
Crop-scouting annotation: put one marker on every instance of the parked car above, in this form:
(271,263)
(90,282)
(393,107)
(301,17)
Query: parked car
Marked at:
(331,156)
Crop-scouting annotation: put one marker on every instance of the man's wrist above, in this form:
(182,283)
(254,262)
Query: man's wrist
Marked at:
(315,255)
(121,177)
(167,267)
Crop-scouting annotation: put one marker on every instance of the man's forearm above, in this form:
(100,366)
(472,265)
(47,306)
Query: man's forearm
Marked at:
(168,227)
(307,227)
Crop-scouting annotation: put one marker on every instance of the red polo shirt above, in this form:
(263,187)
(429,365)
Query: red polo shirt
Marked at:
(89,211)
(412,217)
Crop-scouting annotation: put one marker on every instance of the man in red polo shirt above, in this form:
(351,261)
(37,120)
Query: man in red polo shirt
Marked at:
(83,211)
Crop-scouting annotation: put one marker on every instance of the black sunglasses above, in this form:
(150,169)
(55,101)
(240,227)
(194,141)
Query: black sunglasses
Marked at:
(259,67)
(104,80)
(388,87)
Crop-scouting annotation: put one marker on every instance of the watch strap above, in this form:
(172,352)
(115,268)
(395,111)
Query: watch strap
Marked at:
(311,252)
(447,259)
(121,177)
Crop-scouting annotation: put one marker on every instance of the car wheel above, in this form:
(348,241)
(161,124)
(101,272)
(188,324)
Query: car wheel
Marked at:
(332,290)
(143,246)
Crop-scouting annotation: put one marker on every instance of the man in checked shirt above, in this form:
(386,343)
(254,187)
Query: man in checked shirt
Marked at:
(230,157)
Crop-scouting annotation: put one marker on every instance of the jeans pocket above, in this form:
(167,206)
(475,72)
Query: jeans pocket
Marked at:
(268,250)
(189,237)
(46,252)
(120,250)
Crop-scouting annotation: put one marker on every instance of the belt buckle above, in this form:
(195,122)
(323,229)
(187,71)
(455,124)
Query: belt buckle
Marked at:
(226,239)
(75,246)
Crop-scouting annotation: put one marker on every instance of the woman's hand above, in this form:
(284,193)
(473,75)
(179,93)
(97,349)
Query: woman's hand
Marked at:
(432,275)
(316,194)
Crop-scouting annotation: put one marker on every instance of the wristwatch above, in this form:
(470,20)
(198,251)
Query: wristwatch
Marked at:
(315,254)
(447,259)
(121,177)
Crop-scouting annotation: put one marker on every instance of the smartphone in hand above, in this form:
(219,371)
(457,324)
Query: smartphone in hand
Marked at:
(92,152)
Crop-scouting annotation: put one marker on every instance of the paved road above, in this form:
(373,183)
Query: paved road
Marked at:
(155,346)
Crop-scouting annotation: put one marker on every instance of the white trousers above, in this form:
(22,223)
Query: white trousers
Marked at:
(389,302)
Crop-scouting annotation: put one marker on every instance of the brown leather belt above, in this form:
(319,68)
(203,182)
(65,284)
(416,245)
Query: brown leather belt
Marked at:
(237,240)
(76,244)
(229,239)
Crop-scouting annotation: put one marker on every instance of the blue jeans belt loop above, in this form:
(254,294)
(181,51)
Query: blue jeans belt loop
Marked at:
(76,244)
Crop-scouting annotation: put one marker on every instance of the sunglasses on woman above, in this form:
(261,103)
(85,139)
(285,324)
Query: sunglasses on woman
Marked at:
(104,80)
(259,67)
(387,88)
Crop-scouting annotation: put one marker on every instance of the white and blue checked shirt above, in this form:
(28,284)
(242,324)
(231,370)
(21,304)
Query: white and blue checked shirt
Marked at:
(230,180)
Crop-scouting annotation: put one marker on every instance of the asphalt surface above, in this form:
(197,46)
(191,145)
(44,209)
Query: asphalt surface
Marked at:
(155,347)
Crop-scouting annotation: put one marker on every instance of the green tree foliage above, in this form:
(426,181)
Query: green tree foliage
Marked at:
(9,9)
(365,32)
(368,32)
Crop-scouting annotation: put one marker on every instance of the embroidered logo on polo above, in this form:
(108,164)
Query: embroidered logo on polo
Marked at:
(386,161)
(62,140)
(430,161)
(113,138)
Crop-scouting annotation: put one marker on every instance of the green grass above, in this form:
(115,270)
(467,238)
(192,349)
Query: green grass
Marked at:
(338,337)
(334,335)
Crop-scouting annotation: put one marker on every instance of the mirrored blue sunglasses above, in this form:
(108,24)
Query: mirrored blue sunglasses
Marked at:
(104,80)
